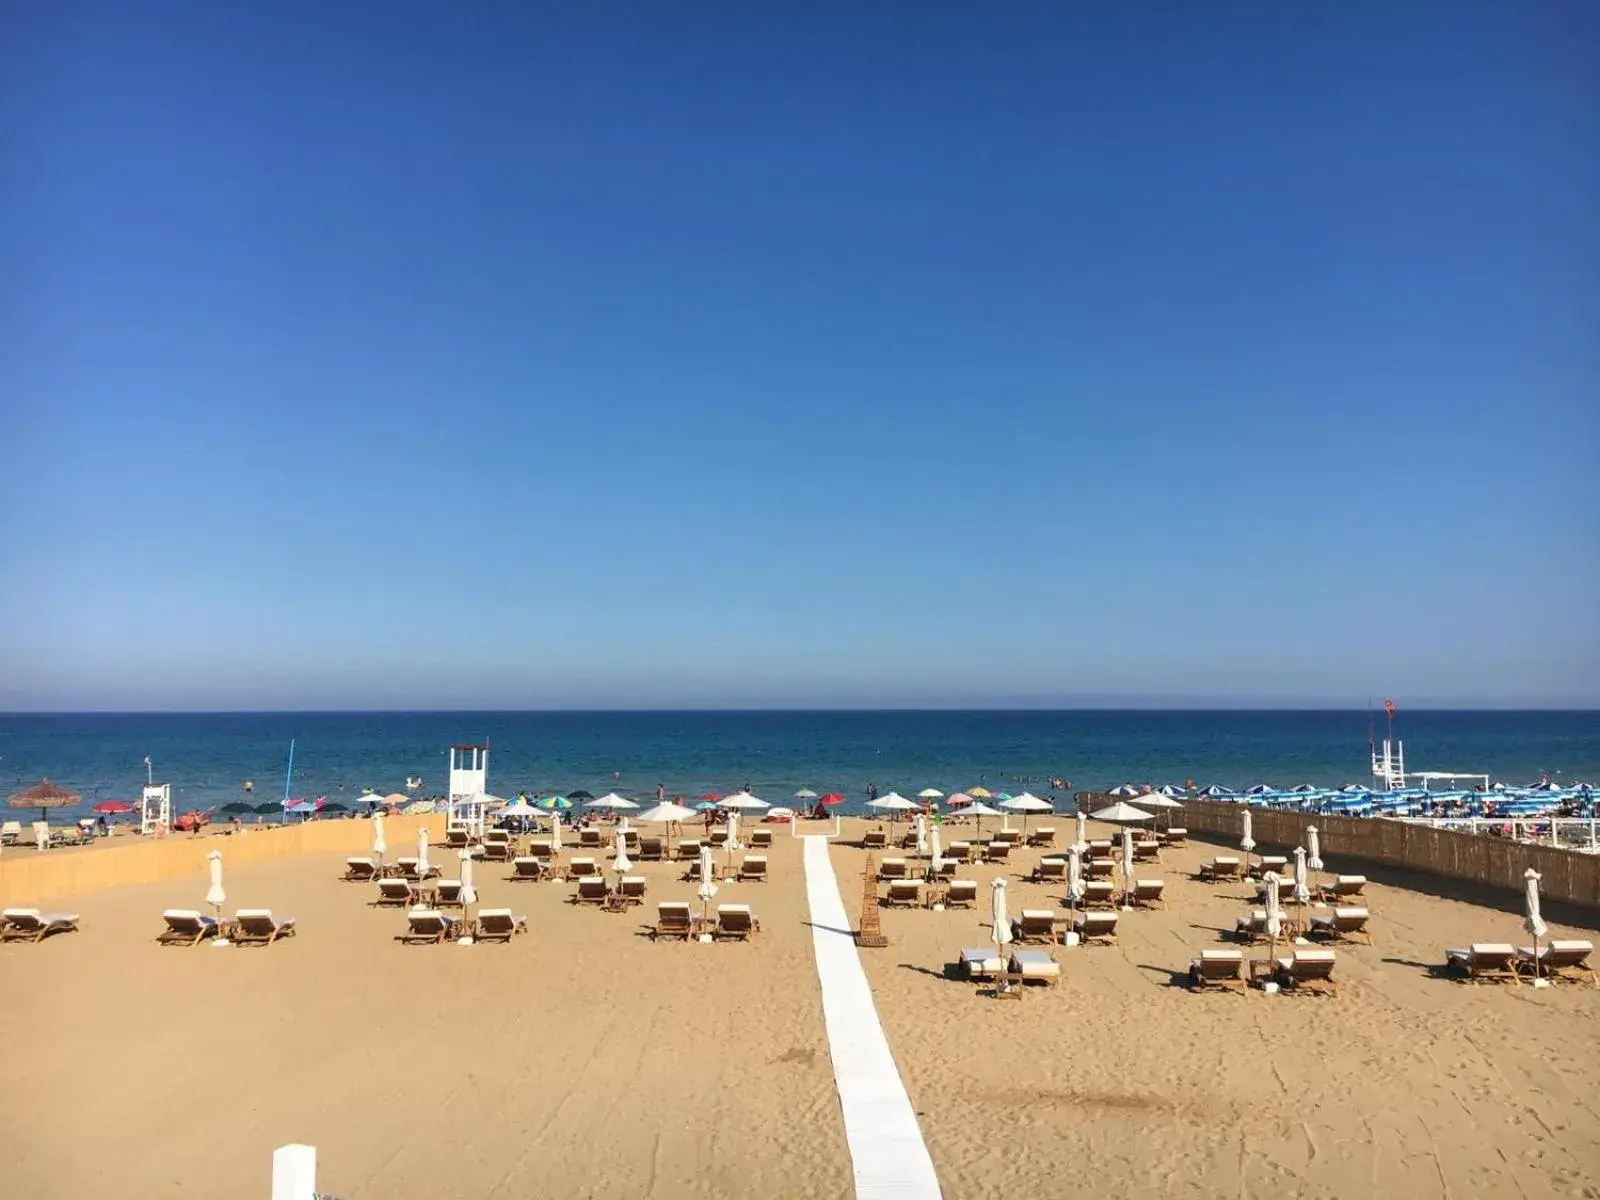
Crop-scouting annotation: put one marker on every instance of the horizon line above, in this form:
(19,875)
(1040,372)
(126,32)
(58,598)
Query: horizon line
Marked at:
(623,711)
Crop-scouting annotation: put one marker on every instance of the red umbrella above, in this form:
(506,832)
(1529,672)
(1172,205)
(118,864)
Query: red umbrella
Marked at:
(711,796)
(831,798)
(113,806)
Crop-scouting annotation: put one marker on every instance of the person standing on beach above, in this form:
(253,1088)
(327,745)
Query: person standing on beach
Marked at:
(661,792)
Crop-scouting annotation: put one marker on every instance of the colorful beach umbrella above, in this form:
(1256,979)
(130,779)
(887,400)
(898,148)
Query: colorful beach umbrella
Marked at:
(580,794)
(830,799)
(122,806)
(980,792)
(956,799)
(711,795)
(553,803)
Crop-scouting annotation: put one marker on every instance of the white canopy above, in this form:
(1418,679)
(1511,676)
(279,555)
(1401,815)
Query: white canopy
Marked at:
(1121,811)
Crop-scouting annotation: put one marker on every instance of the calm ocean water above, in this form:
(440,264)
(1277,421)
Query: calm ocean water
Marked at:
(208,757)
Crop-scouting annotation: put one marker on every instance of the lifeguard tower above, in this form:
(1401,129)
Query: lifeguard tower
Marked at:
(469,777)
(155,809)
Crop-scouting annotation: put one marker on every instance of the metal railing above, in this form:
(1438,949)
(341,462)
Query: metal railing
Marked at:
(1564,833)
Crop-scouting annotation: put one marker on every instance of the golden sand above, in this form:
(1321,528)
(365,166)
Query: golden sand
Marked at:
(585,1060)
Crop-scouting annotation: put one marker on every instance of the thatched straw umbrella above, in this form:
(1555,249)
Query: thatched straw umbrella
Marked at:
(44,796)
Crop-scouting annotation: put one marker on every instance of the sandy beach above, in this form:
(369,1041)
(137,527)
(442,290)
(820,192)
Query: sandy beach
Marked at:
(585,1060)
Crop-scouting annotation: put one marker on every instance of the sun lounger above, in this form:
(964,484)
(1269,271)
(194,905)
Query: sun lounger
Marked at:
(526,867)
(456,839)
(981,962)
(1042,836)
(1147,893)
(997,852)
(760,839)
(963,893)
(688,850)
(1277,864)
(903,893)
(1217,968)
(258,927)
(892,868)
(1146,851)
(499,925)
(1557,958)
(186,927)
(874,839)
(1099,868)
(396,892)
(1099,847)
(735,921)
(449,894)
(1306,971)
(31,925)
(650,849)
(591,890)
(946,872)
(10,833)
(960,852)
(673,920)
(1034,925)
(406,868)
(631,890)
(582,868)
(1342,924)
(1049,870)
(1176,836)
(1342,888)
(1222,867)
(497,852)
(1036,965)
(1096,926)
(541,849)
(1251,925)
(590,839)
(1099,893)
(360,870)
(752,867)
(429,926)
(1483,960)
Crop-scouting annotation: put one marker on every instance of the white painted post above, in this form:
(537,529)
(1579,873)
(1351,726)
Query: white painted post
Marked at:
(294,1172)
(1592,845)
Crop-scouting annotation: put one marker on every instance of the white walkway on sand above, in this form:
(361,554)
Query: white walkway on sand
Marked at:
(887,1154)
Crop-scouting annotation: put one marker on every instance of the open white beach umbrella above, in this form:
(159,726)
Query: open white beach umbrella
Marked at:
(1027,802)
(1081,841)
(216,897)
(469,894)
(741,800)
(1247,843)
(611,800)
(663,814)
(1313,848)
(422,851)
(895,802)
(379,846)
(805,794)
(1075,888)
(519,808)
(1121,813)
(930,794)
(1274,907)
(977,809)
(922,836)
(997,913)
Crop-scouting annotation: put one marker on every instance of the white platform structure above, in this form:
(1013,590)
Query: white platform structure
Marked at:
(155,809)
(467,801)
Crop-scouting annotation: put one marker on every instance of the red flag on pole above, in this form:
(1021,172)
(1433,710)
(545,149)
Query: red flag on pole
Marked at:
(1388,707)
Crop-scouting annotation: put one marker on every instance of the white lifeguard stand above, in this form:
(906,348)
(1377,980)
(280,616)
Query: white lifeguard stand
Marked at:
(1390,768)
(155,809)
(469,777)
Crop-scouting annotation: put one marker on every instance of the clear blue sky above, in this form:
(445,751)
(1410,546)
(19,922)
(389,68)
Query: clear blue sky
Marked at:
(385,355)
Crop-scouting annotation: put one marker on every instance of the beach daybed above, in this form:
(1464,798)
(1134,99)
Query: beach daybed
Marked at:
(752,867)
(428,926)
(735,921)
(500,925)
(1342,924)
(1342,888)
(1147,893)
(1557,958)
(1148,850)
(31,925)
(258,927)
(397,892)
(1096,926)
(960,852)
(590,839)
(1036,965)
(591,890)
(1305,971)
(903,893)
(360,870)
(1222,867)
(1494,961)
(981,962)
(455,839)
(673,920)
(497,852)
(10,833)
(186,927)
(1217,968)
(1034,925)
(997,851)
(963,893)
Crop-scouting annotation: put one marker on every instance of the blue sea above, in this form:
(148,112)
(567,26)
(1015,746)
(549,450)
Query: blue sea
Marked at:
(209,757)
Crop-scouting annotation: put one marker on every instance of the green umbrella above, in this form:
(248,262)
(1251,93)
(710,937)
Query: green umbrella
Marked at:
(554,802)
(236,807)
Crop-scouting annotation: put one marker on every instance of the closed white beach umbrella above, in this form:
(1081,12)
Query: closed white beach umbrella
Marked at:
(1302,890)
(922,836)
(1127,866)
(997,913)
(707,888)
(1533,920)
(1081,842)
(469,894)
(379,846)
(216,897)
(1313,848)
(1274,907)
(422,851)
(622,863)
(1247,843)
(622,825)
(733,832)
(705,863)
(1075,888)
(555,832)
(936,856)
